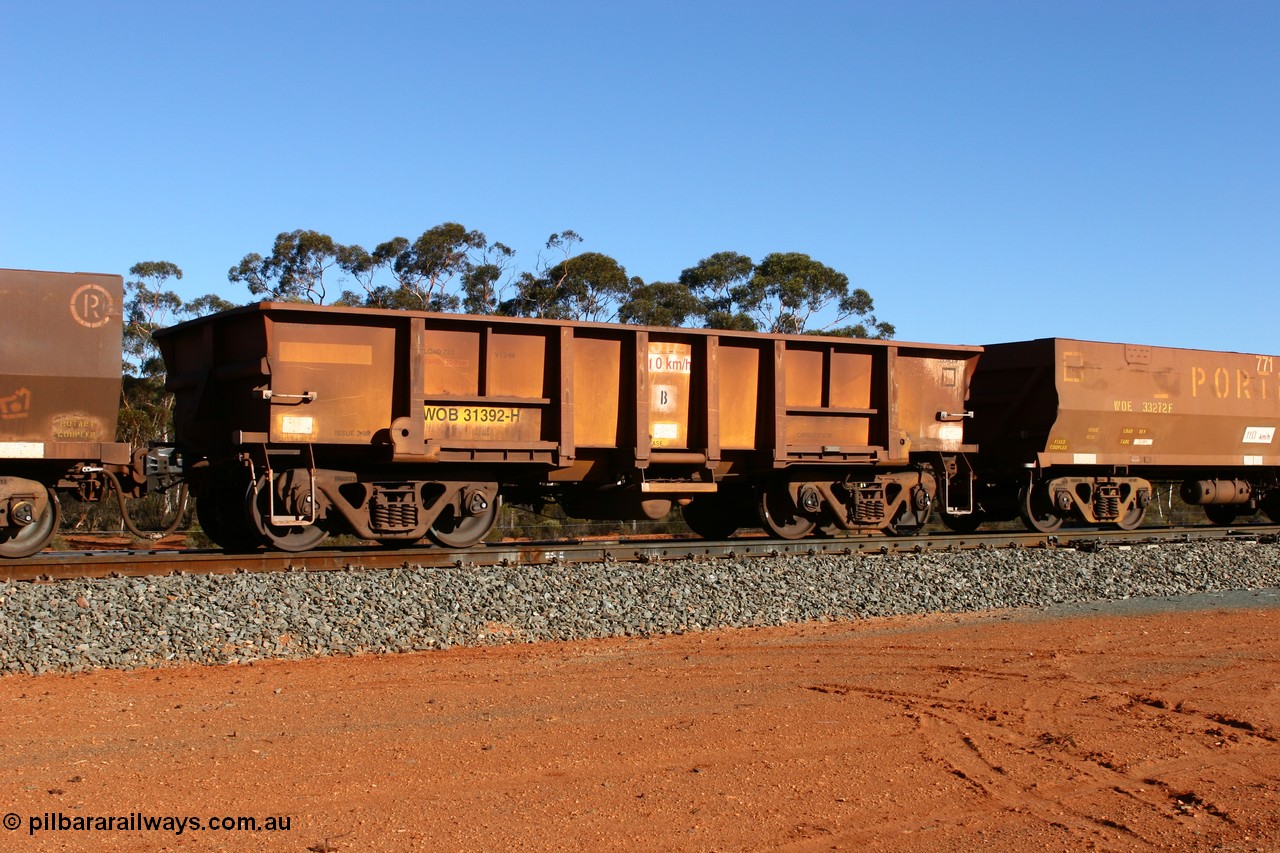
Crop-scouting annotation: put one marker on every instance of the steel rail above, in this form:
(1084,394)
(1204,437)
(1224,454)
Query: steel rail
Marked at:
(140,563)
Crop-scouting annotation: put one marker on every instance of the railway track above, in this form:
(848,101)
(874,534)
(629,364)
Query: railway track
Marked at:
(64,565)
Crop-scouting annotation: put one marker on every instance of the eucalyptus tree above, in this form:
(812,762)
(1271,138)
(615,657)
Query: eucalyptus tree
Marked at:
(718,281)
(661,303)
(586,286)
(786,292)
(447,268)
(150,304)
(487,279)
(294,271)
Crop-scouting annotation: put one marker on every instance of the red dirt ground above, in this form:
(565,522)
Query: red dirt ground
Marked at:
(1003,731)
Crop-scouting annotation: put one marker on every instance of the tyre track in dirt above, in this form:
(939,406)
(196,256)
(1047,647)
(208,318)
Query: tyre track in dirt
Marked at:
(1052,760)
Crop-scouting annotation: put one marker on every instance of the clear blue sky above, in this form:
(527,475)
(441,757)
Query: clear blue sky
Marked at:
(987,170)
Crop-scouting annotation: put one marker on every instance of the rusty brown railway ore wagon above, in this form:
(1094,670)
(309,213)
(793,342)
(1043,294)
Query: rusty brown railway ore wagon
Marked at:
(60,335)
(1079,430)
(398,425)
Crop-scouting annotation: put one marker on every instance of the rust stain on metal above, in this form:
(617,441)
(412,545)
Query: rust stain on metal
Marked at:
(68,391)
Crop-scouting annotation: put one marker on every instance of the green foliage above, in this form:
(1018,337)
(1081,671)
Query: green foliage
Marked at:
(145,407)
(202,306)
(148,306)
(857,303)
(451,268)
(781,294)
(447,268)
(424,268)
(787,288)
(293,272)
(660,304)
(589,286)
(714,281)
(363,267)
(482,280)
(873,328)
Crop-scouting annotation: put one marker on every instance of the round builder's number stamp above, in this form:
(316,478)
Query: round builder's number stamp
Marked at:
(91,306)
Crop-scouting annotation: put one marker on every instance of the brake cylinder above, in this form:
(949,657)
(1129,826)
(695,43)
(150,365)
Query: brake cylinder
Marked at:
(1206,492)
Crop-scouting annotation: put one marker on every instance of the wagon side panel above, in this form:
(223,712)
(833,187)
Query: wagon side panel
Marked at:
(217,367)
(1014,399)
(931,387)
(851,401)
(1161,407)
(60,336)
(333,383)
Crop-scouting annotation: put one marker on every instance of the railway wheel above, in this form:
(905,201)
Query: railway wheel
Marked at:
(209,518)
(1271,506)
(31,537)
(220,509)
(711,516)
(285,537)
(1133,518)
(912,516)
(964,524)
(1037,511)
(452,530)
(780,515)
(1221,514)
(897,528)
(827,527)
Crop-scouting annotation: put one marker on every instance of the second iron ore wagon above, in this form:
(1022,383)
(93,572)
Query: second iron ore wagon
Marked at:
(1073,430)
